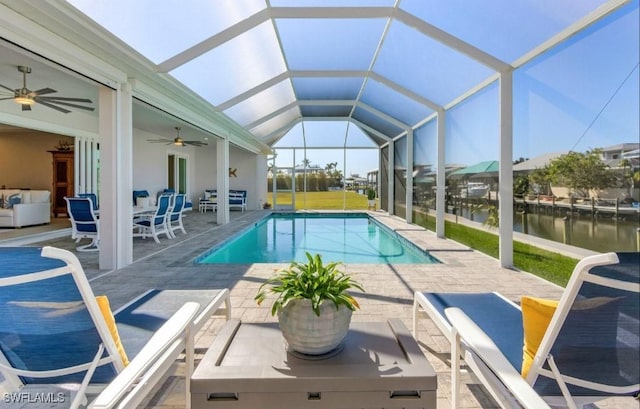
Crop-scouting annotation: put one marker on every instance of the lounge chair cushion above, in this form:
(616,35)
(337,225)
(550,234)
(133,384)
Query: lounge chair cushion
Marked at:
(536,316)
(105,308)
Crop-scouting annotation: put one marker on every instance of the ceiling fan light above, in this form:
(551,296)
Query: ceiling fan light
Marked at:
(24,100)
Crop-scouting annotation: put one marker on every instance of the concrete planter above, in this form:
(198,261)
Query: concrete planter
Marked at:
(309,334)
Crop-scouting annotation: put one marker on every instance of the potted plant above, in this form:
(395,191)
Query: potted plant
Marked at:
(371,196)
(313,306)
(266,205)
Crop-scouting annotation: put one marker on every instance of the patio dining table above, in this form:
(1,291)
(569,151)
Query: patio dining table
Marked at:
(137,211)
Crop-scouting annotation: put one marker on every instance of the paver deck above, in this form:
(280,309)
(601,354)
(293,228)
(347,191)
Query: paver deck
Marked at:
(389,289)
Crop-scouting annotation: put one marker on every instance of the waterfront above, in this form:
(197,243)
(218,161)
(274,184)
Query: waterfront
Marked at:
(602,233)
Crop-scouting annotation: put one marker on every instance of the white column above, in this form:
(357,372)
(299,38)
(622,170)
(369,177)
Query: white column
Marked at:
(222,180)
(116,241)
(124,185)
(391,177)
(108,176)
(441,176)
(505,194)
(409,183)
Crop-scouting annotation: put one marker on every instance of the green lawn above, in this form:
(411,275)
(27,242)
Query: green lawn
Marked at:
(550,266)
(334,200)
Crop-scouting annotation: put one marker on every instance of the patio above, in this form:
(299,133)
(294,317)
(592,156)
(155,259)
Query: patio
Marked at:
(389,288)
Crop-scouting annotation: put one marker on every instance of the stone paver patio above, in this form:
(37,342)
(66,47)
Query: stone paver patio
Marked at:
(389,289)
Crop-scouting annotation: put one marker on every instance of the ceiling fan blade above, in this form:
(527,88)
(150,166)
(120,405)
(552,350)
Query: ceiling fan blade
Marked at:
(43,100)
(196,143)
(26,107)
(44,91)
(10,89)
(65,111)
(54,99)
(2,99)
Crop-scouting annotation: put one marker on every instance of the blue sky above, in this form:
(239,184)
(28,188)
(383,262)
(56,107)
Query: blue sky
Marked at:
(580,95)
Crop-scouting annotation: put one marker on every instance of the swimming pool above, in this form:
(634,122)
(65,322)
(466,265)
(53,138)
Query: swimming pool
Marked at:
(347,237)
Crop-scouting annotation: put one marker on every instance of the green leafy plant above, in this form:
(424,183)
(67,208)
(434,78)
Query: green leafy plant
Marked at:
(371,194)
(312,280)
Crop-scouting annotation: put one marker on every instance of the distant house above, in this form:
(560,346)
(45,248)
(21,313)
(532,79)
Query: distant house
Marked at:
(538,162)
(614,155)
(311,169)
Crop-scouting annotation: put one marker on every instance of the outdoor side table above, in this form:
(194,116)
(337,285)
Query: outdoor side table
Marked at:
(380,366)
(206,204)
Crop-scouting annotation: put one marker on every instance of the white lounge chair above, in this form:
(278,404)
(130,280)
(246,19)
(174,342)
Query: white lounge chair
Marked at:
(588,343)
(57,340)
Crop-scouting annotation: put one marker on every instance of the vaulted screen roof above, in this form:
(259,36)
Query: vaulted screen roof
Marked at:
(385,65)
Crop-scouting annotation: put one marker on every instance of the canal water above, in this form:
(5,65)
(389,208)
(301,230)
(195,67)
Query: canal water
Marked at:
(601,234)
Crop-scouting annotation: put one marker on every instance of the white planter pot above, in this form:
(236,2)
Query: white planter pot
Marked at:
(309,334)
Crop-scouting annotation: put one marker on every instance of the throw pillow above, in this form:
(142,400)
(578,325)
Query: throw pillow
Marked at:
(596,315)
(11,200)
(536,316)
(103,303)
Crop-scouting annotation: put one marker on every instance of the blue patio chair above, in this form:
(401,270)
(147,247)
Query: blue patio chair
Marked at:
(93,197)
(188,206)
(56,337)
(155,224)
(588,340)
(84,223)
(174,218)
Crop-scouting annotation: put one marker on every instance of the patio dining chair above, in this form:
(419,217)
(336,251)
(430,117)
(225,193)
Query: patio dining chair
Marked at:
(155,224)
(58,339)
(93,197)
(578,350)
(84,223)
(174,218)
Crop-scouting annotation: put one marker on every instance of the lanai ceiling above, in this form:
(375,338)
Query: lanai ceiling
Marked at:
(385,65)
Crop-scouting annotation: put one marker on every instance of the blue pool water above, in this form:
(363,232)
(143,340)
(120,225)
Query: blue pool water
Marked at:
(349,238)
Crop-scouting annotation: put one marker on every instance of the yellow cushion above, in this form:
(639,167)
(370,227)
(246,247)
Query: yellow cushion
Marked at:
(103,303)
(536,316)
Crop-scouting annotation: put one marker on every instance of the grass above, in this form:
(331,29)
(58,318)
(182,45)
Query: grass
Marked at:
(553,267)
(548,265)
(334,200)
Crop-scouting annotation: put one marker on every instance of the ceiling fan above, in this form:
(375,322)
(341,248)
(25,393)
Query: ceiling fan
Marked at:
(178,141)
(25,97)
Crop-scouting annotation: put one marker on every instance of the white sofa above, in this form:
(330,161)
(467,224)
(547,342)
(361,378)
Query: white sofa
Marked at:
(34,208)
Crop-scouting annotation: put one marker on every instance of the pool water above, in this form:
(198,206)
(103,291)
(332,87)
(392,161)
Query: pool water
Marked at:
(349,238)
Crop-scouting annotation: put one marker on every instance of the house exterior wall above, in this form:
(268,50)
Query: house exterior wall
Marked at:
(247,175)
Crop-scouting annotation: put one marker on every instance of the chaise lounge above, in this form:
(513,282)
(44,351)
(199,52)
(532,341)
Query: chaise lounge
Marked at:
(57,337)
(580,349)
